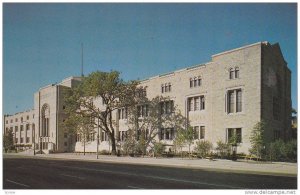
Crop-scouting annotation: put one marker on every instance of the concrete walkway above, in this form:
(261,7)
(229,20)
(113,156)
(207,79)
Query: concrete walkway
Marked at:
(251,167)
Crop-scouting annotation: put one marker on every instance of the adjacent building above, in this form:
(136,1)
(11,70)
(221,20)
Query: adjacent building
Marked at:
(221,98)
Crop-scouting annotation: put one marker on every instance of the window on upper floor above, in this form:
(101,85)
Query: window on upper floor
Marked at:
(6,121)
(167,87)
(234,73)
(234,101)
(167,107)
(21,119)
(195,82)
(16,119)
(27,117)
(27,127)
(196,103)
(123,113)
(166,134)
(11,121)
(143,110)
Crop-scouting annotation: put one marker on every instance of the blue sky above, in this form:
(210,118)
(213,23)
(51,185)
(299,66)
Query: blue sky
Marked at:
(42,42)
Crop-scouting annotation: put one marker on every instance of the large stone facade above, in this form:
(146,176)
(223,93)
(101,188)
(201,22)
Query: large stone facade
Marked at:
(224,97)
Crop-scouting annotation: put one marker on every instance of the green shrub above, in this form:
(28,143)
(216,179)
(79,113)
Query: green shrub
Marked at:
(283,151)
(223,149)
(159,148)
(203,148)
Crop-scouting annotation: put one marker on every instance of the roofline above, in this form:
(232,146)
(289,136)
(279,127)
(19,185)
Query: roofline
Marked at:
(240,48)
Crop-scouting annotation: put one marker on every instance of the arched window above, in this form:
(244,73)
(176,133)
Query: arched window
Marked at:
(45,120)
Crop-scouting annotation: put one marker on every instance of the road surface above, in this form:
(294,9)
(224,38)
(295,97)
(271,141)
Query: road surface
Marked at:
(33,173)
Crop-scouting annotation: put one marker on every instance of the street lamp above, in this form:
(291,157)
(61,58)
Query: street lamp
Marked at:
(234,151)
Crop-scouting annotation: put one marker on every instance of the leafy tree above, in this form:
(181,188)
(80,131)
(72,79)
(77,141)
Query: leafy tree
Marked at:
(203,148)
(8,140)
(257,139)
(108,88)
(179,141)
(82,126)
(146,120)
(185,137)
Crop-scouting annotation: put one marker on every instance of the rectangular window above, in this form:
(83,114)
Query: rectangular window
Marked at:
(196,132)
(16,128)
(230,101)
(16,119)
(22,140)
(238,100)
(202,132)
(27,117)
(21,128)
(65,135)
(162,134)
(27,127)
(16,140)
(234,134)
(21,119)
(197,103)
(66,143)
(167,107)
(11,121)
(199,82)
(202,99)
(6,121)
(191,104)
(27,139)
(162,88)
(234,101)
(238,133)
(191,83)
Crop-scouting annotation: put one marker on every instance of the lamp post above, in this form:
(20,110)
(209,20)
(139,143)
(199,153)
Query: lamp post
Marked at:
(234,150)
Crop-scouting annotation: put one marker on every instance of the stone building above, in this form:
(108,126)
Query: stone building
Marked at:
(221,98)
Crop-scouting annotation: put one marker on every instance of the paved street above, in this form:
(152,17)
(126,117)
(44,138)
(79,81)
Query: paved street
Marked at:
(24,172)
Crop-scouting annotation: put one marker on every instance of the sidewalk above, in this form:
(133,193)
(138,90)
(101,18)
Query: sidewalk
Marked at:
(252,167)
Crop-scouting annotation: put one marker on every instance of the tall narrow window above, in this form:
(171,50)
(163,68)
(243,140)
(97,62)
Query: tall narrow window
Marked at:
(191,104)
(191,83)
(196,132)
(199,81)
(202,132)
(231,73)
(237,72)
(197,103)
(202,100)
(230,101)
(162,88)
(239,101)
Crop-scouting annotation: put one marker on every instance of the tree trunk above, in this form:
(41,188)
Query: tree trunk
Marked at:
(84,148)
(113,145)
